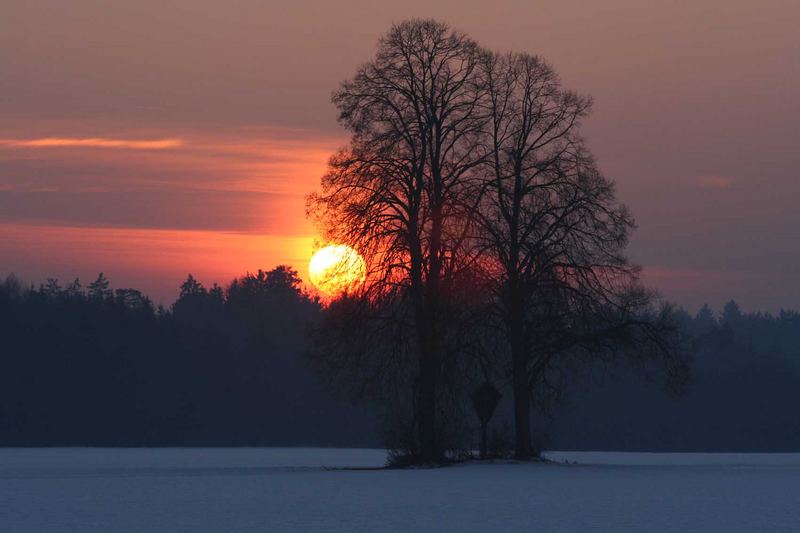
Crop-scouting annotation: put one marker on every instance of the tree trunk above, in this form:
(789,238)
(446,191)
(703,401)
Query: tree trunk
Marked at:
(522,393)
(429,342)
(484,444)
(522,411)
(426,403)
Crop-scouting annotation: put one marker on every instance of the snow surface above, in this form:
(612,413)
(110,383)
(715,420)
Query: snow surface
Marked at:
(280,489)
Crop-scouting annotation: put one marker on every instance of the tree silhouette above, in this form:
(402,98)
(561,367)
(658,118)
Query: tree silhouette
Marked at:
(469,190)
(401,193)
(98,289)
(554,232)
(731,313)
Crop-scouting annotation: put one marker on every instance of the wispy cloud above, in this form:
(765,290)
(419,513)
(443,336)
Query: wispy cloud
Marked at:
(272,160)
(93,142)
(185,177)
(676,273)
(712,182)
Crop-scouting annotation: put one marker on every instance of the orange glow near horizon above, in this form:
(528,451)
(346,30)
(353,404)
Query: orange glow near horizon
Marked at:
(153,261)
(147,206)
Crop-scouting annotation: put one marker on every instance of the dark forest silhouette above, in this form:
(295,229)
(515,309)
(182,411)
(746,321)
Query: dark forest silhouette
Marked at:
(743,396)
(96,366)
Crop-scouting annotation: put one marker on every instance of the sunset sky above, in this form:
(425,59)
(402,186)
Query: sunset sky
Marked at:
(151,139)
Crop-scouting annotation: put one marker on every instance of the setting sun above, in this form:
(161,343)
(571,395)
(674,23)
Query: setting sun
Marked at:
(336,268)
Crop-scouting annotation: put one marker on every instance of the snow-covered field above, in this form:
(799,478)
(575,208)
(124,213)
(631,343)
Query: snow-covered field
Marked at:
(278,489)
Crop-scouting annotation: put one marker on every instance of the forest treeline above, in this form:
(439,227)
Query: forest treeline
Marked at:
(221,366)
(225,366)
(744,395)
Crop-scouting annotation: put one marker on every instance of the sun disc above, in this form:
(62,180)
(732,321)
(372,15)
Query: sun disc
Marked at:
(336,268)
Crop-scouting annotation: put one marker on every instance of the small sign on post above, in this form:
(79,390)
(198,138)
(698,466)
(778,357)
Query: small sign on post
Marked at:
(485,399)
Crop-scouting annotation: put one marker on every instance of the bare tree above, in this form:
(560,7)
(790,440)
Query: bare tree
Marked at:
(403,193)
(466,185)
(554,234)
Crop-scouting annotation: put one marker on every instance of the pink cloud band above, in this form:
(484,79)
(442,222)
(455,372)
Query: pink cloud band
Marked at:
(92,142)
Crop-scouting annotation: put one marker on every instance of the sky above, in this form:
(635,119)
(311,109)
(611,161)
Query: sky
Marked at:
(151,139)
